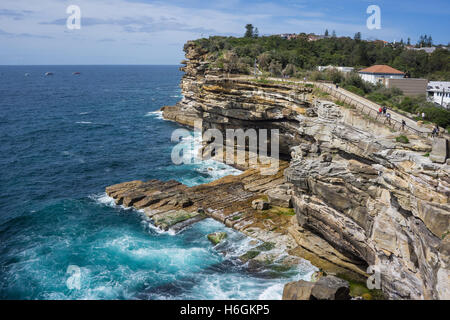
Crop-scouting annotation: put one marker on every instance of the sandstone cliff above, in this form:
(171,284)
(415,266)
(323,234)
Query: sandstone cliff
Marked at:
(360,197)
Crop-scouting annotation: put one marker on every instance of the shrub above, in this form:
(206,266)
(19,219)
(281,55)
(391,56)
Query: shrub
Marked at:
(402,139)
(354,89)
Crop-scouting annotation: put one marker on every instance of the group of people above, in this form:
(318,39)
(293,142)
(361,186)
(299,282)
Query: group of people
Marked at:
(383,110)
(435,132)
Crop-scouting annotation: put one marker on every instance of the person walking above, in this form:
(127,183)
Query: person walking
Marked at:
(423,115)
(437,130)
(388,116)
(384,110)
(380,110)
(403,124)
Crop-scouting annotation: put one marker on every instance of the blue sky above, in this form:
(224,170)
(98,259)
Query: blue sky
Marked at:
(153,32)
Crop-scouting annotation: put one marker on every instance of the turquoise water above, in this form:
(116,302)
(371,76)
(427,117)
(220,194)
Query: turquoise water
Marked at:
(63,139)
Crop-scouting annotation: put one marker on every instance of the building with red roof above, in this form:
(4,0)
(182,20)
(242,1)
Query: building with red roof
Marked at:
(378,74)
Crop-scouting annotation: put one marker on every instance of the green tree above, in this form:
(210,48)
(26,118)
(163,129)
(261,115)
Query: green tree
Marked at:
(249,31)
(256,33)
(357,36)
(333,34)
(326,33)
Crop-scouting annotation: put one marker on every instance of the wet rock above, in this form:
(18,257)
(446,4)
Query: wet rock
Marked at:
(326,288)
(166,220)
(217,237)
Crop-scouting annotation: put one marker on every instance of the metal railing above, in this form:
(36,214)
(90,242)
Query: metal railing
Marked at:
(370,111)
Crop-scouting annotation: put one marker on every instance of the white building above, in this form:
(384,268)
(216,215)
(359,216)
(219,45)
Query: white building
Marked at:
(428,50)
(378,74)
(439,93)
(341,69)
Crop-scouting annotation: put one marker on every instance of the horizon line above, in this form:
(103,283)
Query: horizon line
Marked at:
(81,65)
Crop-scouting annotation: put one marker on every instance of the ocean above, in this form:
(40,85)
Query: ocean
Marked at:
(63,139)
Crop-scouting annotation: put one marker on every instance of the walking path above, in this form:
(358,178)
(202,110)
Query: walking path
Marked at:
(396,118)
(362,104)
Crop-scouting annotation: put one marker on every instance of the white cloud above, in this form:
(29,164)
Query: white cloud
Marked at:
(35,31)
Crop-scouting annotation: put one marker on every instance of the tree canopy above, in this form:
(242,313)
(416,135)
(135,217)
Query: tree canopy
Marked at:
(303,54)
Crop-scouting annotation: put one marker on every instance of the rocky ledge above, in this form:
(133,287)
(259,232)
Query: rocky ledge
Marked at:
(362,195)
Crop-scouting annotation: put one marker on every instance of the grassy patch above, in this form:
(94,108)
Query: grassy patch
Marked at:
(359,289)
(282,211)
(402,139)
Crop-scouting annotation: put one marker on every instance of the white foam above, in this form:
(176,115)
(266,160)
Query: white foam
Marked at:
(158,230)
(273,292)
(192,145)
(104,199)
(84,122)
(156,114)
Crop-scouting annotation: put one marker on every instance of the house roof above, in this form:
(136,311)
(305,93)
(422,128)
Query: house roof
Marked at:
(379,69)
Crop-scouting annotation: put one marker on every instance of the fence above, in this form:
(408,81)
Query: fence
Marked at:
(370,111)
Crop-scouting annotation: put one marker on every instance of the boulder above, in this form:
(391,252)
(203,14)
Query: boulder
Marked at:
(326,288)
(298,290)
(260,204)
(279,197)
(217,237)
(331,288)
(439,152)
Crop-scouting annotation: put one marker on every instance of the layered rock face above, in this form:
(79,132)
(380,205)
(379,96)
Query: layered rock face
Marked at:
(376,200)
(373,201)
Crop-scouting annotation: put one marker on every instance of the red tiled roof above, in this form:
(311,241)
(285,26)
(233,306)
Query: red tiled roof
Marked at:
(381,69)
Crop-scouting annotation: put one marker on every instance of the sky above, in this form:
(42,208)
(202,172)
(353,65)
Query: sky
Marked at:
(153,32)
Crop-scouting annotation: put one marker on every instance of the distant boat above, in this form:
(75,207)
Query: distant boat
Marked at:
(76,73)
(49,73)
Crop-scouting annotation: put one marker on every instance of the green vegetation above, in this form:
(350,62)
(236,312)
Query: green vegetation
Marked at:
(402,139)
(237,217)
(282,211)
(266,246)
(299,58)
(217,237)
(249,255)
(392,98)
(296,57)
(253,253)
(359,289)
